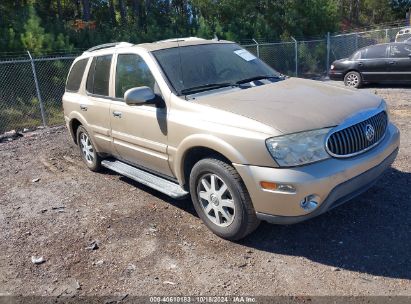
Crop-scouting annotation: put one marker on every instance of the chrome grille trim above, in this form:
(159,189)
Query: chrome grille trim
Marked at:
(348,140)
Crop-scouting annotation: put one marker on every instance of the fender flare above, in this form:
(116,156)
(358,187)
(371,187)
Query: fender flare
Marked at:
(204,141)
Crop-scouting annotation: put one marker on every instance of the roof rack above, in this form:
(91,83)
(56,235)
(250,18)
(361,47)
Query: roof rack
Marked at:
(108,45)
(180,39)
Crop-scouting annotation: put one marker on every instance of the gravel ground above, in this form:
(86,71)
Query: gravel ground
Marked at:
(51,206)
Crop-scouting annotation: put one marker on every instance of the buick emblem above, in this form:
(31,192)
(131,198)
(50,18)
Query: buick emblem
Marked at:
(369,132)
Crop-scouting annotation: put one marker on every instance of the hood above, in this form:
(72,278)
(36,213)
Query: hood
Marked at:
(293,105)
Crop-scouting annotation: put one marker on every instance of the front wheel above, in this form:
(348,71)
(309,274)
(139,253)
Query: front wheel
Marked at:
(221,199)
(353,79)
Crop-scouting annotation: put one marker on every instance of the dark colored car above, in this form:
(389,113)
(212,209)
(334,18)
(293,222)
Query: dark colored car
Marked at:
(388,62)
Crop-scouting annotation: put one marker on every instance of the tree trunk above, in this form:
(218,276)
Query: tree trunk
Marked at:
(123,12)
(135,8)
(86,10)
(59,9)
(112,12)
(78,9)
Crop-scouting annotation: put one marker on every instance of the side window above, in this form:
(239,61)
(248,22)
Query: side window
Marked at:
(99,75)
(378,51)
(400,51)
(76,75)
(131,72)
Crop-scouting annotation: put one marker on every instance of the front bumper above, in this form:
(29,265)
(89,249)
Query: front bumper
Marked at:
(333,181)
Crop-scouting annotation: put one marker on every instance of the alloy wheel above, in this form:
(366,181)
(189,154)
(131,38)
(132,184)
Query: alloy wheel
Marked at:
(87,148)
(216,200)
(352,80)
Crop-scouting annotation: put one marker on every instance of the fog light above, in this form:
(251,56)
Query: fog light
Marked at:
(270,186)
(309,203)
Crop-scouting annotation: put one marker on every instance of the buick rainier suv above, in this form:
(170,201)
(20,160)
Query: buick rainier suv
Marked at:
(208,119)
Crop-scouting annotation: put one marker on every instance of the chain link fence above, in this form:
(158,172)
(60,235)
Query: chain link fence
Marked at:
(31,91)
(312,58)
(31,88)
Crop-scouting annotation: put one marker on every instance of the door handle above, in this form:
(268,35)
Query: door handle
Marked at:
(83,107)
(391,62)
(117,114)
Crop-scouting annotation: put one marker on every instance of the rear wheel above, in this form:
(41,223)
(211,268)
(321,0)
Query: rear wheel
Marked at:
(353,79)
(221,199)
(87,150)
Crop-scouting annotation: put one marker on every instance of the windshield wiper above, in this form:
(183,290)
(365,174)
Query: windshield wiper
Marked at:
(205,87)
(257,78)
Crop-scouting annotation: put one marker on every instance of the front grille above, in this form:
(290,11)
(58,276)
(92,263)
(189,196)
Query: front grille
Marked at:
(354,139)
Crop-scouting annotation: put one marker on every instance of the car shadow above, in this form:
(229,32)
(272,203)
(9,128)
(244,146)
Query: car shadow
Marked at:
(184,203)
(386,86)
(369,234)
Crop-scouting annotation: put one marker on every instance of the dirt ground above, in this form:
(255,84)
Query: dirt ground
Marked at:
(148,244)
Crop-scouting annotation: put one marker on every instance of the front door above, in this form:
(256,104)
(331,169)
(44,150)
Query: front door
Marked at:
(139,131)
(399,63)
(373,63)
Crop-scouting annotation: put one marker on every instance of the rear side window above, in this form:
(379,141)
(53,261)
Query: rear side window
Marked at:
(400,50)
(76,75)
(378,51)
(356,56)
(99,75)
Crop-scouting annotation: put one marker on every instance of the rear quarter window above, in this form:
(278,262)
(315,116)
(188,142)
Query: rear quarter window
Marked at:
(356,56)
(76,75)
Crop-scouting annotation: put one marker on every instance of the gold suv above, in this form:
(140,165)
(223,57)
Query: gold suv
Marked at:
(209,119)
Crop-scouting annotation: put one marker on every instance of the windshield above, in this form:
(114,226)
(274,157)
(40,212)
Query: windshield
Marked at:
(209,66)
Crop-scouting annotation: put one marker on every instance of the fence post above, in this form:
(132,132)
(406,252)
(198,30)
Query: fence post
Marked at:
(328,52)
(258,47)
(296,55)
(356,41)
(43,113)
(386,35)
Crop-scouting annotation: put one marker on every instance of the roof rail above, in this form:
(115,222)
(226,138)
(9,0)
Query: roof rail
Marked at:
(180,39)
(108,45)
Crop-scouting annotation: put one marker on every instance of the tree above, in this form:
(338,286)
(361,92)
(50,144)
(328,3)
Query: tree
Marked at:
(34,35)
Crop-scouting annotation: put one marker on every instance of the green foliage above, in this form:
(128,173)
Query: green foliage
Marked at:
(33,38)
(44,26)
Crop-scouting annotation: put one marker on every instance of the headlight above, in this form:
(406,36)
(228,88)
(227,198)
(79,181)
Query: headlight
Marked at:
(332,67)
(298,148)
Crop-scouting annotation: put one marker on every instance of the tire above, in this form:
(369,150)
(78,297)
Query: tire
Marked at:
(87,150)
(353,79)
(227,213)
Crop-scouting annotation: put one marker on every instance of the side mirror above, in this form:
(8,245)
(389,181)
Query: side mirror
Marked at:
(138,96)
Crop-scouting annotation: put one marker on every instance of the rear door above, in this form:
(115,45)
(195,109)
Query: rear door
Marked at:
(399,64)
(96,107)
(373,63)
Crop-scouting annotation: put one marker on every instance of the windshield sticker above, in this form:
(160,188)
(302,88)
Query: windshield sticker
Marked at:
(246,55)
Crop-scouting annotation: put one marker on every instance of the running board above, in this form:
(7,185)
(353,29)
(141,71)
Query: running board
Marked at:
(160,184)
